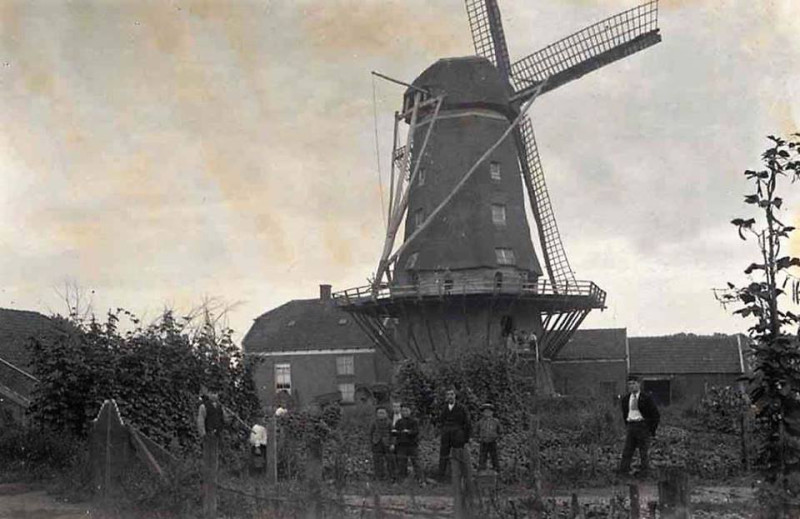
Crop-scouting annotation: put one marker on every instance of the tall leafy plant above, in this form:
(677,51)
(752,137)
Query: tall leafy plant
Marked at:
(774,385)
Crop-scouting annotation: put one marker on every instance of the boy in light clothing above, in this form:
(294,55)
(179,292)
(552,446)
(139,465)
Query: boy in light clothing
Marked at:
(489,431)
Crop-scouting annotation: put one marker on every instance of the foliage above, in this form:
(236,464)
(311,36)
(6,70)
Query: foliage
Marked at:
(721,409)
(155,374)
(30,453)
(775,382)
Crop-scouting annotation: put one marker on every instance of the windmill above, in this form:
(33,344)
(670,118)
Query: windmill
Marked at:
(467,274)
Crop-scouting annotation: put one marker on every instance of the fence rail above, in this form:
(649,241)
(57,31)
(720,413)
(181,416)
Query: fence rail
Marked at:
(541,288)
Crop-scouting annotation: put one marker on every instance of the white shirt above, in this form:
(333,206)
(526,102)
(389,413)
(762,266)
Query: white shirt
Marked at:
(450,407)
(258,435)
(633,413)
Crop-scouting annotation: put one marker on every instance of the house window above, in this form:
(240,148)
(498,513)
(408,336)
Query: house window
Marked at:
(283,378)
(499,215)
(494,170)
(421,177)
(498,280)
(419,217)
(412,261)
(505,256)
(448,285)
(345,366)
(348,392)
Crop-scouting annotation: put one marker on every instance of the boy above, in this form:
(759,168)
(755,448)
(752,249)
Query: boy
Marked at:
(380,434)
(489,431)
(406,431)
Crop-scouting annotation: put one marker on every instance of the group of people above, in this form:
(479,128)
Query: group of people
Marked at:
(394,440)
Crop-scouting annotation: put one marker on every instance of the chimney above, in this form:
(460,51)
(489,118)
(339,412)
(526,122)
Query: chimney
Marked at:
(324,292)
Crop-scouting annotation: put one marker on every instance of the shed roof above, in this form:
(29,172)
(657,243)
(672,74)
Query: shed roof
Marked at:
(16,328)
(685,353)
(302,325)
(598,344)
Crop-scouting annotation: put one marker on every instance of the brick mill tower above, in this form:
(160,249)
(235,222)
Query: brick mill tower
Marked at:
(467,275)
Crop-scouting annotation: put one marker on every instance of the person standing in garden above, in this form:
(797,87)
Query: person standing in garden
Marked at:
(380,434)
(641,416)
(454,427)
(489,431)
(406,432)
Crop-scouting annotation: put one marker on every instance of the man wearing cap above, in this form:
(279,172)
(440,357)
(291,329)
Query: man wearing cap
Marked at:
(641,416)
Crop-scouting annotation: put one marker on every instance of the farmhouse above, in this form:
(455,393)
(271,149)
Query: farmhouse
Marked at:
(17,327)
(308,349)
(682,367)
(593,362)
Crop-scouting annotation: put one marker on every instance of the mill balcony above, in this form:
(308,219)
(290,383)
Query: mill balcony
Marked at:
(558,296)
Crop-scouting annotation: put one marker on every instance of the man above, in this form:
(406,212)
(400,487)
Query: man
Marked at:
(641,416)
(454,427)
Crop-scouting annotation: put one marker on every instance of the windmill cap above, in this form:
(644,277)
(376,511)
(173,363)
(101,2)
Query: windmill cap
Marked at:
(470,81)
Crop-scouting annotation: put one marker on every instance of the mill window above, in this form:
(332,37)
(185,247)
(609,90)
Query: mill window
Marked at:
(421,177)
(505,256)
(494,170)
(283,378)
(419,218)
(411,262)
(499,215)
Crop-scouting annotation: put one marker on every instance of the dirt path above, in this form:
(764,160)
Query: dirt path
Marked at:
(21,501)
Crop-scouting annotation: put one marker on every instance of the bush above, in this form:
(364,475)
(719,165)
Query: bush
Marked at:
(721,409)
(154,373)
(32,454)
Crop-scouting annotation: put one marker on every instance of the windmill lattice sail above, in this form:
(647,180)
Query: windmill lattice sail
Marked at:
(558,266)
(487,33)
(589,49)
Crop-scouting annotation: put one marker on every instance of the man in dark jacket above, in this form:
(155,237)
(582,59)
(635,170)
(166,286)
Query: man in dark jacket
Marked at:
(641,416)
(380,434)
(454,427)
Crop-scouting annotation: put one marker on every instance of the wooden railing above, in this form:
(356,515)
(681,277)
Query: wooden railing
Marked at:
(542,288)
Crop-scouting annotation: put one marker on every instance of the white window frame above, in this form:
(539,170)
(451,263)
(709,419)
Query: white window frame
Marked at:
(505,256)
(499,215)
(494,171)
(348,392)
(345,365)
(283,377)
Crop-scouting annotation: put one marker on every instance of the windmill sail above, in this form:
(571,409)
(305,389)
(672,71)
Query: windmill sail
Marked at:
(556,262)
(589,49)
(487,33)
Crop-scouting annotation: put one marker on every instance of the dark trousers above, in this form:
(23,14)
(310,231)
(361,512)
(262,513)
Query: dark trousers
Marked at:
(382,461)
(451,439)
(488,449)
(404,453)
(638,437)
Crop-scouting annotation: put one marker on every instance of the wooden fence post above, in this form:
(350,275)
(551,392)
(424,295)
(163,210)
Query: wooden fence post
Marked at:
(210,474)
(575,507)
(673,495)
(634,494)
(463,489)
(272,451)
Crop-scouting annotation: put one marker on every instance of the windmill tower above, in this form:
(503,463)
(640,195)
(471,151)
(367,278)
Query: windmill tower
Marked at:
(467,274)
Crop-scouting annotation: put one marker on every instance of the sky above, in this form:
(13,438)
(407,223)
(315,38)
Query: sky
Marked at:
(158,154)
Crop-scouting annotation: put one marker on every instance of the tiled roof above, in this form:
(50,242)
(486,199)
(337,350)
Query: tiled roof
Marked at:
(600,344)
(16,328)
(305,324)
(685,354)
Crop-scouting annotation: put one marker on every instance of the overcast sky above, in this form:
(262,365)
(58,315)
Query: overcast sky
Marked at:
(158,153)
